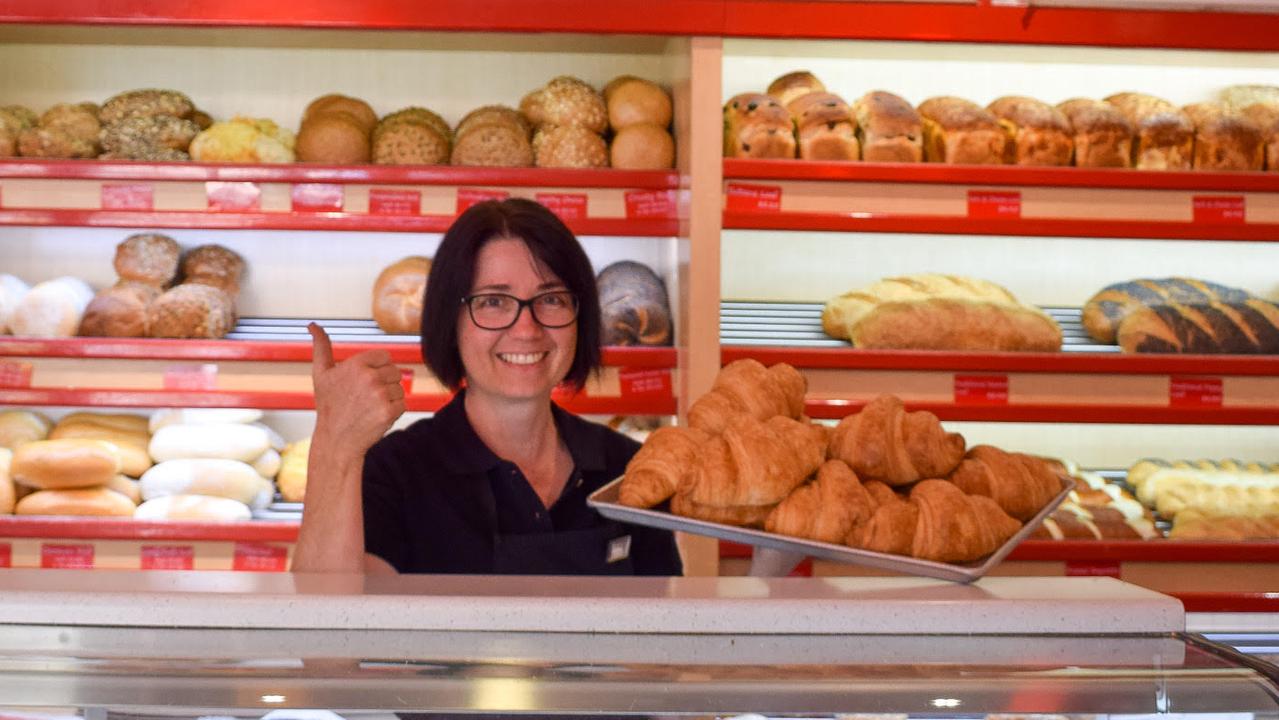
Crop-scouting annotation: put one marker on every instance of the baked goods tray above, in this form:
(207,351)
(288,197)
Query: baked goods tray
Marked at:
(605,500)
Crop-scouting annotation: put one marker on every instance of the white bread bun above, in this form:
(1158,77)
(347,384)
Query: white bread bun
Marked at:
(292,475)
(68,463)
(134,457)
(199,508)
(202,416)
(51,309)
(277,440)
(208,476)
(398,294)
(642,147)
(84,501)
(127,487)
(22,426)
(8,494)
(230,441)
(268,465)
(12,290)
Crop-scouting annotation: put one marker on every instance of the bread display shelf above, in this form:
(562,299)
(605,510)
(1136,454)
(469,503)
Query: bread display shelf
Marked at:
(101,528)
(834,408)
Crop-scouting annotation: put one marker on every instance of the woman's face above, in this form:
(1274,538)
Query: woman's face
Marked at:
(525,360)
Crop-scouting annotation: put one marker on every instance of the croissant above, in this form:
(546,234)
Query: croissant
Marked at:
(826,509)
(891,528)
(1019,484)
(745,387)
(654,473)
(741,515)
(884,442)
(754,462)
(957,527)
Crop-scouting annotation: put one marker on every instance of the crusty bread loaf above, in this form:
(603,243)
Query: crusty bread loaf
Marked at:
(333,138)
(1103,135)
(232,441)
(569,146)
(193,508)
(398,294)
(67,463)
(292,475)
(634,101)
(208,476)
(354,108)
(794,85)
(53,142)
(18,427)
(1037,133)
(191,310)
(51,309)
(149,137)
(79,120)
(757,126)
(132,446)
(642,147)
(959,131)
(493,144)
(1225,140)
(119,311)
(1266,118)
(95,502)
(1107,309)
(1243,328)
(888,128)
(825,126)
(149,258)
(1165,136)
(634,309)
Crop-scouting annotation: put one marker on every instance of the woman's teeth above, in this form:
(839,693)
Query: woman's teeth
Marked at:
(521,358)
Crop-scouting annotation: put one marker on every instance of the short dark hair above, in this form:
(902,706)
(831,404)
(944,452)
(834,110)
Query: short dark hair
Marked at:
(453,273)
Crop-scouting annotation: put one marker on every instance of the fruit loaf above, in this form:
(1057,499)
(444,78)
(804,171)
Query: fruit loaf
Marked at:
(398,294)
(958,131)
(207,476)
(94,501)
(633,305)
(67,463)
(201,416)
(757,126)
(825,126)
(794,85)
(1107,309)
(230,441)
(888,128)
(18,427)
(1103,135)
(1165,135)
(193,508)
(1245,328)
(1037,133)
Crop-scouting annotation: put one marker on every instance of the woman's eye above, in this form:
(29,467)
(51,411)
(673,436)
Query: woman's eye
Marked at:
(491,301)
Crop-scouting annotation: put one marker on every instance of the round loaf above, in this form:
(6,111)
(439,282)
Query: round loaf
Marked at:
(642,147)
(65,463)
(51,309)
(569,146)
(148,258)
(147,136)
(95,502)
(635,101)
(229,441)
(333,138)
(119,311)
(55,143)
(398,294)
(494,114)
(216,266)
(207,476)
(18,427)
(493,145)
(567,101)
(12,290)
(409,142)
(201,416)
(421,116)
(136,103)
(132,446)
(193,508)
(358,110)
(191,310)
(80,120)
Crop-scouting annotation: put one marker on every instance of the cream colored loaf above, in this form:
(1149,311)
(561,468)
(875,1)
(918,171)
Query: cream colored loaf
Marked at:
(202,416)
(268,464)
(134,458)
(18,427)
(208,476)
(230,441)
(67,463)
(1143,469)
(94,501)
(197,508)
(8,494)
(1215,492)
(127,487)
(276,440)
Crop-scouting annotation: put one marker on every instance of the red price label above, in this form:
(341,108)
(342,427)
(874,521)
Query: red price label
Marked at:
(1199,392)
(191,377)
(15,374)
(127,197)
(466,197)
(168,557)
(259,557)
(981,389)
(1088,568)
(645,381)
(77,557)
(6,555)
(385,201)
(1218,209)
(754,198)
(233,196)
(317,197)
(988,204)
(645,204)
(569,206)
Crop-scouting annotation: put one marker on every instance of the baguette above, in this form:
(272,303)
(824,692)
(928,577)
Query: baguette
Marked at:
(193,508)
(1171,490)
(1037,133)
(231,441)
(95,501)
(1247,328)
(957,131)
(1107,309)
(68,463)
(1197,525)
(208,476)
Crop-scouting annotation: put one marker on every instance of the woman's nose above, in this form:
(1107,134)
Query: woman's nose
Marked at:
(525,323)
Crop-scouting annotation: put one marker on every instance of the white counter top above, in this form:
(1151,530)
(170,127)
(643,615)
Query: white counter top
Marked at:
(733,605)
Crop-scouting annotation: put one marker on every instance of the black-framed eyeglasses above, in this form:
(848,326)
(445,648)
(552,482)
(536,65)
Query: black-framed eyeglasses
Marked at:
(498,311)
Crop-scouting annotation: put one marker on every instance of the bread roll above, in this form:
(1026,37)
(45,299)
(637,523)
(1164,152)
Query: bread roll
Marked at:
(410,142)
(1037,133)
(268,464)
(292,475)
(149,258)
(794,85)
(398,294)
(68,463)
(149,138)
(145,103)
(1225,140)
(78,120)
(193,508)
(757,126)
(1165,134)
(127,487)
(12,290)
(333,139)
(191,311)
(51,309)
(208,476)
(216,266)
(119,311)
(201,416)
(569,146)
(567,102)
(94,501)
(493,144)
(634,308)
(8,495)
(274,438)
(1103,135)
(18,427)
(55,143)
(244,140)
(642,147)
(357,110)
(132,446)
(888,128)
(633,101)
(232,441)
(957,131)
(499,114)
(826,127)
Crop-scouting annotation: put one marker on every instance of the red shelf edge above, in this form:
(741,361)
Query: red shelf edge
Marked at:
(96,528)
(1113,551)
(1240,602)
(1058,413)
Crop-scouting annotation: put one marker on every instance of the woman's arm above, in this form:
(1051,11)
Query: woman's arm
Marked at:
(356,402)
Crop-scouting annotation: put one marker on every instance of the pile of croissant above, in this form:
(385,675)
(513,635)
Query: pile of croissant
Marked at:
(884,479)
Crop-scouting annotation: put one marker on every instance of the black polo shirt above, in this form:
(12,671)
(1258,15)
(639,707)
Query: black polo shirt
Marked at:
(436,497)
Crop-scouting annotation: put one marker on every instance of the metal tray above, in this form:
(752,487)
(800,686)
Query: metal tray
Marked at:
(605,501)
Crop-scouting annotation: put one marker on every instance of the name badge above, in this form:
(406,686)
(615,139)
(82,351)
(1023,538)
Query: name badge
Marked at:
(619,549)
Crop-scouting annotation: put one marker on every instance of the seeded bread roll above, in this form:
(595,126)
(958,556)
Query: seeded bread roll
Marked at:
(119,311)
(634,101)
(757,126)
(889,129)
(80,120)
(1103,135)
(418,115)
(1266,118)
(191,311)
(1225,140)
(1037,133)
(499,144)
(147,137)
(215,266)
(409,143)
(499,114)
(642,147)
(398,295)
(54,143)
(1165,134)
(358,110)
(958,131)
(569,146)
(566,101)
(794,85)
(826,128)
(18,117)
(333,138)
(136,103)
(149,258)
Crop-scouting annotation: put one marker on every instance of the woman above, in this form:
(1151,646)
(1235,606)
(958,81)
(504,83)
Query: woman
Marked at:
(497,481)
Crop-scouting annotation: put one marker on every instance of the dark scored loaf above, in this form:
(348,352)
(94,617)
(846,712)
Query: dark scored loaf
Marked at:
(1244,328)
(634,309)
(1107,309)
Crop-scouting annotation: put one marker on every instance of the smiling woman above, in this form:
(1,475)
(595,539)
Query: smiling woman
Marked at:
(497,481)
